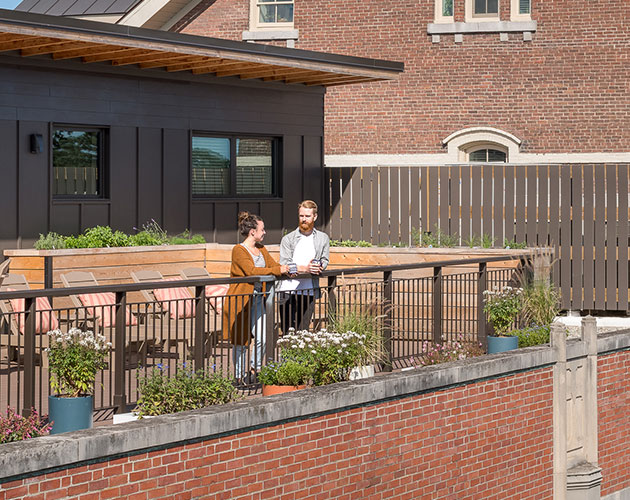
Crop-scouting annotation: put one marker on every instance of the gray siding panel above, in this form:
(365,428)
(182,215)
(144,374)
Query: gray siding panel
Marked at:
(65,218)
(122,175)
(175,188)
(8,193)
(33,184)
(149,176)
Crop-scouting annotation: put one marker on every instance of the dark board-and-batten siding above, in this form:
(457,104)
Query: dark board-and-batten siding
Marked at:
(149,121)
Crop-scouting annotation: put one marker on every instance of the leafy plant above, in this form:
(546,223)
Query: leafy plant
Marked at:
(513,244)
(332,355)
(285,372)
(104,237)
(185,390)
(366,322)
(451,350)
(502,307)
(541,303)
(18,428)
(532,335)
(75,357)
(50,241)
(350,243)
(434,239)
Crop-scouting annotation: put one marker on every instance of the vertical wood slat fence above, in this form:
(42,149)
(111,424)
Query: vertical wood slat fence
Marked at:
(581,210)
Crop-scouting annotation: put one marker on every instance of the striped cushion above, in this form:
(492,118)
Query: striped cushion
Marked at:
(102,306)
(213,292)
(177,301)
(44,320)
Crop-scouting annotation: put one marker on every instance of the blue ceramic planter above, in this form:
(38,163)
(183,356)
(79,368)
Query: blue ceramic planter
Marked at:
(502,344)
(70,414)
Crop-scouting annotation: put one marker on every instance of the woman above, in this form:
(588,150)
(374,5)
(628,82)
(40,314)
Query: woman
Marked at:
(243,313)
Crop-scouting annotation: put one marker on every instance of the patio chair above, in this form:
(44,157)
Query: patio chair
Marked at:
(165,304)
(4,269)
(13,319)
(100,307)
(214,293)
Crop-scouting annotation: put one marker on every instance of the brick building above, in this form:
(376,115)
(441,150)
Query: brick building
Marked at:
(522,81)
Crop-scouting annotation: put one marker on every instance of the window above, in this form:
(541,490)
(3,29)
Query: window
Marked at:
(486,7)
(521,10)
(487,155)
(234,166)
(272,14)
(78,163)
(482,10)
(444,11)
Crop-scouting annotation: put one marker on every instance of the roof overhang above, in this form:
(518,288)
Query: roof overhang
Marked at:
(93,42)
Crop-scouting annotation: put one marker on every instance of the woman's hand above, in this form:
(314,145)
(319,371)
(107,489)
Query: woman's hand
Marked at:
(284,269)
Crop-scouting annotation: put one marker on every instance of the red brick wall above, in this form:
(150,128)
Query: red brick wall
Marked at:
(564,92)
(614,420)
(490,440)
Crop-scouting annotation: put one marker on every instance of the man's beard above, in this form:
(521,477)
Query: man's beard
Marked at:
(307,226)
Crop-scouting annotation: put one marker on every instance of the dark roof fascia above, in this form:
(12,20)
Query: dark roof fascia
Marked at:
(32,20)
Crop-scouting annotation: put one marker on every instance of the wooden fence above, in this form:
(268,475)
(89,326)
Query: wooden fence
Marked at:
(581,210)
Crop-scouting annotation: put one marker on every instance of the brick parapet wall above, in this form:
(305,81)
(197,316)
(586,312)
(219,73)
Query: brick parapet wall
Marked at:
(613,390)
(563,92)
(478,428)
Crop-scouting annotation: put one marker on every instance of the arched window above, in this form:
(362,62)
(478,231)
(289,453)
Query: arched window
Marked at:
(482,145)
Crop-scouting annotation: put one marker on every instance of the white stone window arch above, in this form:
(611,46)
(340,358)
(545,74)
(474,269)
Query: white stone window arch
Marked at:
(461,144)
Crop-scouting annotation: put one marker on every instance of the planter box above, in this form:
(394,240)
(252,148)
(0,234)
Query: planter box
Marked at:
(114,265)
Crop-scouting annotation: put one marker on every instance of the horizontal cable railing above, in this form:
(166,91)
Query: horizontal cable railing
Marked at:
(413,304)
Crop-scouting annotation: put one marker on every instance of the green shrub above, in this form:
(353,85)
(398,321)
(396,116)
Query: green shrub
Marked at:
(541,303)
(105,237)
(532,335)
(50,241)
(350,243)
(434,239)
(185,390)
(513,244)
(285,372)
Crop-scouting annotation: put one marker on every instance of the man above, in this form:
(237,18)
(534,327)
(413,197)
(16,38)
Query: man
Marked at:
(305,250)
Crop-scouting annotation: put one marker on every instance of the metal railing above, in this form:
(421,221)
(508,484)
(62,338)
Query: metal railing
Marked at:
(414,303)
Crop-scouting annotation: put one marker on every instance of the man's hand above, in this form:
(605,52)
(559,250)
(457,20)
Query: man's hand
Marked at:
(315,267)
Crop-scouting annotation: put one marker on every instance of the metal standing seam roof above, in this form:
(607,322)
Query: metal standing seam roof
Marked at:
(77,7)
(93,42)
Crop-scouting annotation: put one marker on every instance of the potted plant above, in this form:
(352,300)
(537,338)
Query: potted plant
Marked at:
(502,307)
(186,389)
(285,375)
(74,358)
(331,355)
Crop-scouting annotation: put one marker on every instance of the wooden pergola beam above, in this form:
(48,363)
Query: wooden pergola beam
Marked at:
(72,38)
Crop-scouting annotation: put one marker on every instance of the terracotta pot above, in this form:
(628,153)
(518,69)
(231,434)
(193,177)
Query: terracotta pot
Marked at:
(270,390)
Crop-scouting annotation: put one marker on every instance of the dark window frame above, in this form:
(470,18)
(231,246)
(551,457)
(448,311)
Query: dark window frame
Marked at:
(102,161)
(276,166)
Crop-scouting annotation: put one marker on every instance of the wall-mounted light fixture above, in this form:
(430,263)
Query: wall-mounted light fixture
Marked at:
(37,143)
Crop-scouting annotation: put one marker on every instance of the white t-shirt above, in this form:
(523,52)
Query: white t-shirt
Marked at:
(303,254)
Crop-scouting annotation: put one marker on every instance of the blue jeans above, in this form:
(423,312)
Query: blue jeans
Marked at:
(257,325)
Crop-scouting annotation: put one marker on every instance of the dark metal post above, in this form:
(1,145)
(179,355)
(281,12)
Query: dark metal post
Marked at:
(29,356)
(48,271)
(48,275)
(332,296)
(200,321)
(271,335)
(120,398)
(387,328)
(437,305)
(482,284)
